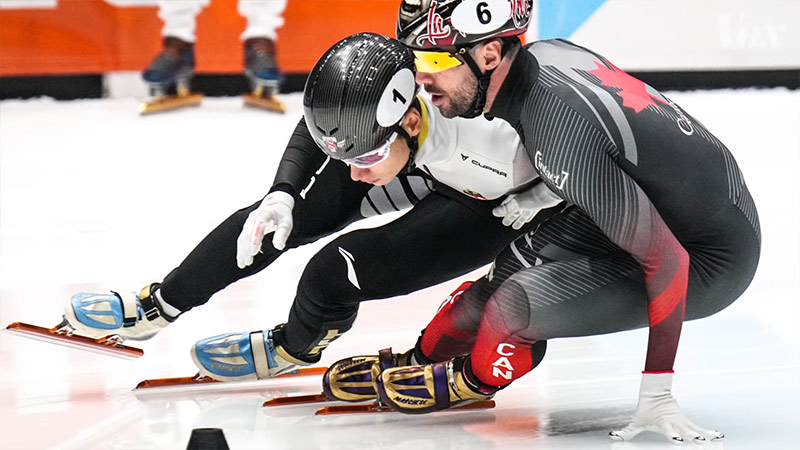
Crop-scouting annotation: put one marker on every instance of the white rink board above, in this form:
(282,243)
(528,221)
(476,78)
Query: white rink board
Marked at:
(691,35)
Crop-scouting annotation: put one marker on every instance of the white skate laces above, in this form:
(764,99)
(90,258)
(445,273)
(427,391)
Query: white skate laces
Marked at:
(658,411)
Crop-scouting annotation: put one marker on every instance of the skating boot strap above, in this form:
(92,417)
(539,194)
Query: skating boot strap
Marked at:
(271,359)
(129,308)
(386,359)
(260,356)
(148,302)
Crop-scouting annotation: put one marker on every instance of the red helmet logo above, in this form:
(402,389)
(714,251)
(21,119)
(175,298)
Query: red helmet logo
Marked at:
(332,143)
(436,27)
(520,11)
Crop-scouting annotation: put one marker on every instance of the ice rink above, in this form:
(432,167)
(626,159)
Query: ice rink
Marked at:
(94,198)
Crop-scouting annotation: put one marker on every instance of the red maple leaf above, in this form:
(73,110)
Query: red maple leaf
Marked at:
(633,92)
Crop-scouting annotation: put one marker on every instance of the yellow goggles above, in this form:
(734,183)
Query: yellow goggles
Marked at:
(432,62)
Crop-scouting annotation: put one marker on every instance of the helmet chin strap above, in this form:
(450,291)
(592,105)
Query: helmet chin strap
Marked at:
(476,108)
(413,147)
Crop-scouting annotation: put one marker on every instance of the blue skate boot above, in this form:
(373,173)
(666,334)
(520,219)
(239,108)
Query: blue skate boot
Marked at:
(244,356)
(261,70)
(169,77)
(128,315)
(260,65)
(429,388)
(174,63)
(353,379)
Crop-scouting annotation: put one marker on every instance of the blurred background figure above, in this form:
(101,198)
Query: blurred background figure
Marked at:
(174,66)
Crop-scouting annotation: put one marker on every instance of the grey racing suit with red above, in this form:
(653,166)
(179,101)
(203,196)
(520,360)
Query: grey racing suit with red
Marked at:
(660,226)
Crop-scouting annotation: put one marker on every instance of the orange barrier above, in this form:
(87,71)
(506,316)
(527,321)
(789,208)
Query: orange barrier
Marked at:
(92,36)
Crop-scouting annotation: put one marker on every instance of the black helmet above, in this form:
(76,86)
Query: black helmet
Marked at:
(357,94)
(424,24)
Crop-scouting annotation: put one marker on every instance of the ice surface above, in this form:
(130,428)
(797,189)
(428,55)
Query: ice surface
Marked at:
(94,197)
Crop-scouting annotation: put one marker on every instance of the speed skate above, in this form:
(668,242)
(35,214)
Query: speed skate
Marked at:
(351,382)
(64,334)
(261,71)
(101,322)
(169,77)
(374,406)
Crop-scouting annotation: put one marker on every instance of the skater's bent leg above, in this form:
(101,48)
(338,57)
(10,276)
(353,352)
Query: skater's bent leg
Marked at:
(719,274)
(439,239)
(568,234)
(580,297)
(452,330)
(569,296)
(330,205)
(503,351)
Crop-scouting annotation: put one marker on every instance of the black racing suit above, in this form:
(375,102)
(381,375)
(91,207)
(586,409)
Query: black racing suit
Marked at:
(446,234)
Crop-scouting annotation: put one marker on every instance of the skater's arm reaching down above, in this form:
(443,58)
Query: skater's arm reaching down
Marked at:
(300,160)
(625,213)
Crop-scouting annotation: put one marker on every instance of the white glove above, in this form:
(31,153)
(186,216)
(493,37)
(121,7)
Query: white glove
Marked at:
(658,411)
(519,209)
(273,214)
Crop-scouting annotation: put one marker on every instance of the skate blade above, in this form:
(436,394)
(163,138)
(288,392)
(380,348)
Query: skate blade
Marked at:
(270,103)
(105,346)
(195,383)
(161,104)
(297,400)
(377,407)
